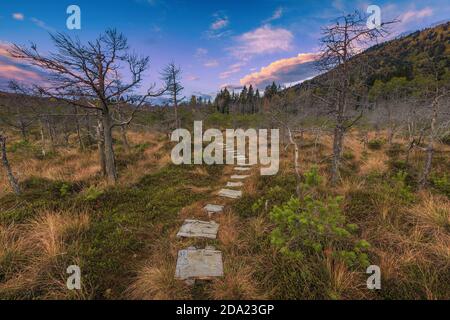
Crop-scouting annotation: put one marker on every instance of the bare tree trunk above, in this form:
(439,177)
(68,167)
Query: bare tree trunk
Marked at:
(111,172)
(177,121)
(77,126)
(296,163)
(23,130)
(41,125)
(12,180)
(123,132)
(101,147)
(51,133)
(337,153)
(430,149)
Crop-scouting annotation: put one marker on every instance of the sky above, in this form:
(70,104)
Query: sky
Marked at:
(216,43)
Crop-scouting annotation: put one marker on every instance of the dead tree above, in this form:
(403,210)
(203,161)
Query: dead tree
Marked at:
(20,109)
(436,91)
(90,76)
(171,75)
(341,42)
(11,178)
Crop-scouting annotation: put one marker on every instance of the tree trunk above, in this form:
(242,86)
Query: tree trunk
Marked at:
(123,132)
(77,126)
(296,163)
(12,180)
(337,153)
(430,149)
(42,138)
(110,162)
(23,131)
(428,164)
(101,148)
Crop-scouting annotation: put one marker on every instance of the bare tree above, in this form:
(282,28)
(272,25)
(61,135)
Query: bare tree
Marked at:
(171,75)
(11,178)
(20,109)
(436,91)
(341,42)
(90,76)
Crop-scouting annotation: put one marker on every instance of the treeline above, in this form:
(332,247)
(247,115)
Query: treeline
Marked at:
(248,101)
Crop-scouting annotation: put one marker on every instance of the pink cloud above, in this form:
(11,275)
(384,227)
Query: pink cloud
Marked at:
(13,69)
(18,16)
(235,68)
(282,70)
(220,23)
(416,14)
(264,40)
(211,64)
(12,72)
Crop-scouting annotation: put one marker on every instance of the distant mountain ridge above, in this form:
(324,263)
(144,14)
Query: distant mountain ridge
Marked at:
(404,56)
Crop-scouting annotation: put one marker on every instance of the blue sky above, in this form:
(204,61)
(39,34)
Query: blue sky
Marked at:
(216,43)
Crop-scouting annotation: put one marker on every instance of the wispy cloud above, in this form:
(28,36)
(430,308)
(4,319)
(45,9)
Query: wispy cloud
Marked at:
(42,24)
(284,71)
(18,16)
(201,52)
(275,16)
(13,69)
(416,14)
(233,69)
(218,27)
(193,78)
(264,40)
(220,23)
(211,64)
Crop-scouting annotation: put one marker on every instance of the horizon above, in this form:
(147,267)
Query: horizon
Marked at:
(219,46)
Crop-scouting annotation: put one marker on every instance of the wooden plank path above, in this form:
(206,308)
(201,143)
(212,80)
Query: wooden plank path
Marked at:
(207,264)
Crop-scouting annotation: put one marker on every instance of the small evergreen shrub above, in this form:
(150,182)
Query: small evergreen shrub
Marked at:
(375,144)
(312,226)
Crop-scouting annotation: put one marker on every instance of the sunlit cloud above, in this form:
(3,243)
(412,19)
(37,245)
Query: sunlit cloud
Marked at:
(13,69)
(233,69)
(264,40)
(218,27)
(284,71)
(18,16)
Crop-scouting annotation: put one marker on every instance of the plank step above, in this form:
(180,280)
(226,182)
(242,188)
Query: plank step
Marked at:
(239,177)
(199,264)
(242,169)
(198,229)
(232,194)
(234,184)
(213,208)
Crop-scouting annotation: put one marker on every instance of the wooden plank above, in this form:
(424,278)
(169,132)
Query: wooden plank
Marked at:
(198,229)
(213,208)
(196,264)
(234,184)
(242,169)
(239,177)
(232,194)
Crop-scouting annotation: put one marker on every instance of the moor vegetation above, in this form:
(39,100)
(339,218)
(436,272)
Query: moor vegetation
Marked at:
(364,178)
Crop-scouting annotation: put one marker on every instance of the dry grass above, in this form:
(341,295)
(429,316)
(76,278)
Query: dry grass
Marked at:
(37,245)
(156,281)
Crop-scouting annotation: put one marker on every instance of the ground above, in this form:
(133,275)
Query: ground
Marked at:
(124,237)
